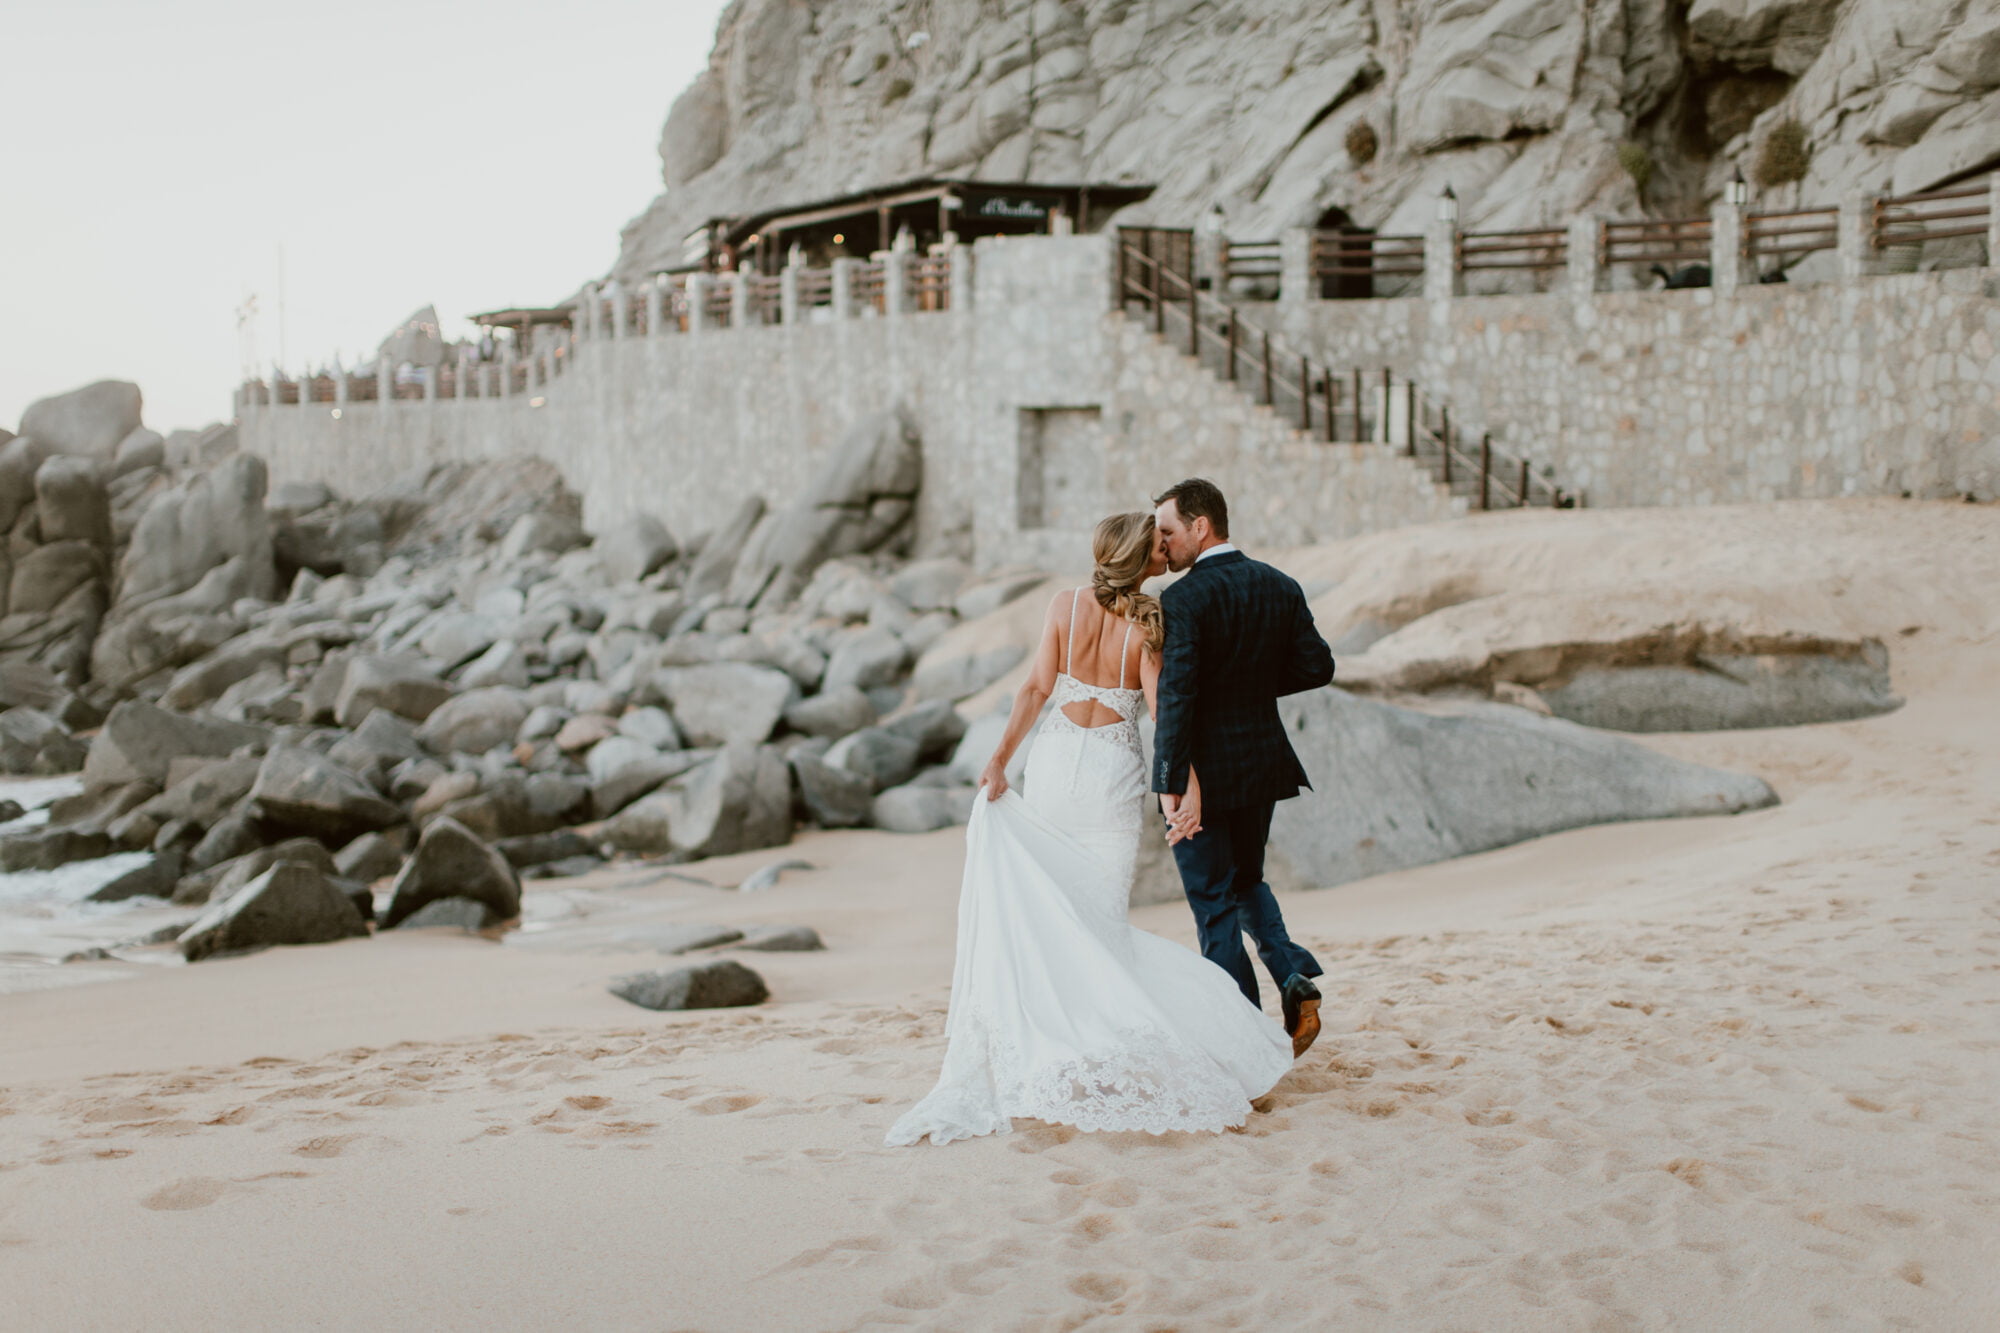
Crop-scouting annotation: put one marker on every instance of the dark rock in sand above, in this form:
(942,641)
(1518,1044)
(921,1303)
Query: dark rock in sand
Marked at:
(290,903)
(463,913)
(563,869)
(451,863)
(154,879)
(48,848)
(540,848)
(370,857)
(722,984)
(783,939)
(297,789)
(235,834)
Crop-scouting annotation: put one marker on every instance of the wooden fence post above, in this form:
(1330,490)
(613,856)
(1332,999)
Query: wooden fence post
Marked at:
(1485,471)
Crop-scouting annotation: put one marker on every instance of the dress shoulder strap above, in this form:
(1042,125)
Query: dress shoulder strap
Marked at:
(1069,652)
(1124,646)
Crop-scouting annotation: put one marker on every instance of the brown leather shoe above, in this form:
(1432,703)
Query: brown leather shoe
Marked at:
(1301,1004)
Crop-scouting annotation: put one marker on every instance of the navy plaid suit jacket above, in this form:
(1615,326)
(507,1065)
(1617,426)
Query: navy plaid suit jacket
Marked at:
(1239,637)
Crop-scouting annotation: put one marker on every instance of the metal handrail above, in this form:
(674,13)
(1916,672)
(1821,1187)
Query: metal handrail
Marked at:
(1315,392)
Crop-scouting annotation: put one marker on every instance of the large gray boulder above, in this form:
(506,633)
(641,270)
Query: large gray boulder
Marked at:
(90,421)
(834,797)
(738,801)
(401,685)
(919,808)
(460,636)
(711,569)
(451,863)
(374,748)
(49,848)
(949,674)
(47,576)
(722,984)
(288,904)
(139,740)
(622,770)
(299,790)
(861,501)
(833,713)
(20,459)
(70,503)
(725,703)
(203,682)
(206,521)
(633,548)
(1395,788)
(1728,691)
(475,722)
(936,727)
(866,660)
(878,754)
(33,742)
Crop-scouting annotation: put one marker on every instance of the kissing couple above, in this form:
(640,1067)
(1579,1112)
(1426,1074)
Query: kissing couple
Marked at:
(1061,1009)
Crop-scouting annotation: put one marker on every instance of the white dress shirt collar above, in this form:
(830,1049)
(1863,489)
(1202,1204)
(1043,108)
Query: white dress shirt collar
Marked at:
(1216,549)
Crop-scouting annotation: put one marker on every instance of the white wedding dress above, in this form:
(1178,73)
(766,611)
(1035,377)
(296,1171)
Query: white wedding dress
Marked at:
(1061,1010)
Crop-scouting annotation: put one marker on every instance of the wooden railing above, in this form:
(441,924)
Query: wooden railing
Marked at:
(1935,215)
(1538,249)
(1354,256)
(1798,231)
(930,282)
(815,287)
(1318,400)
(1257,261)
(766,298)
(1663,241)
(868,286)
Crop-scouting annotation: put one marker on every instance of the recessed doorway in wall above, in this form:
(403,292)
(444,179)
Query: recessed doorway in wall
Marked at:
(1059,467)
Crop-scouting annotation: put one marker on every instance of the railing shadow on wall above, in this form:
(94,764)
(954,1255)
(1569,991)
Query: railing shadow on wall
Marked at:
(1156,284)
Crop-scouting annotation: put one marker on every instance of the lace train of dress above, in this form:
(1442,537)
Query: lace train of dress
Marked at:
(1061,1010)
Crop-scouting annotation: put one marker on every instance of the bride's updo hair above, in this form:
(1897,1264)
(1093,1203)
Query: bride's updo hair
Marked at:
(1122,548)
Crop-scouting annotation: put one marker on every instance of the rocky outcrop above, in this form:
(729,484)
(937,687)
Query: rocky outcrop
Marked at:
(288,904)
(722,984)
(90,422)
(1394,788)
(1282,114)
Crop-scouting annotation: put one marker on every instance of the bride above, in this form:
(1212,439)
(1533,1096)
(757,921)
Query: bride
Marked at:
(1061,1010)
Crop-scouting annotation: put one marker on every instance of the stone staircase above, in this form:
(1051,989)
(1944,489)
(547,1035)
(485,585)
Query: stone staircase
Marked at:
(1305,401)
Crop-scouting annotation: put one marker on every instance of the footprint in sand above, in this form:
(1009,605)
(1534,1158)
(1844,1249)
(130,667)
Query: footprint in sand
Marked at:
(1097,1286)
(727,1104)
(326,1145)
(193,1192)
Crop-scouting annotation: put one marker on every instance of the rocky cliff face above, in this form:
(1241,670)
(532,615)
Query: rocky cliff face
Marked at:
(1522,106)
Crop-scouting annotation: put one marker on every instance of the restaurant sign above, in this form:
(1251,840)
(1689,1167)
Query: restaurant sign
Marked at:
(1000,206)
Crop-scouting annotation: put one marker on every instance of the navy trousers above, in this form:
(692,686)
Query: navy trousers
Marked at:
(1222,873)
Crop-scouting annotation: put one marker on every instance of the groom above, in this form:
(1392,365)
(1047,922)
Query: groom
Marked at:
(1239,635)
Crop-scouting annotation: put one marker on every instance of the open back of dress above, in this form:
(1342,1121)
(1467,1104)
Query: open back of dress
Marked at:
(1061,1010)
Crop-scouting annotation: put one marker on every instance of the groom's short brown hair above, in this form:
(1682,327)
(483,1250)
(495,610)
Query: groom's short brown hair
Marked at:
(1196,498)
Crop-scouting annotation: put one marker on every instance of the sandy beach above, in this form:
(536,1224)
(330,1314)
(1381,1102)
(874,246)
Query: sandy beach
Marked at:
(1724,1073)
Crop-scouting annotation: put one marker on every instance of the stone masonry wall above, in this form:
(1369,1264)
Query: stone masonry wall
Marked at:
(1879,385)
(1035,374)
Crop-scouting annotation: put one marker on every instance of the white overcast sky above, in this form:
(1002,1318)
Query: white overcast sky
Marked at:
(155,157)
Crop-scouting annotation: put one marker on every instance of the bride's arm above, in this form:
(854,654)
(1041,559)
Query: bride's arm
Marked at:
(1187,819)
(1028,700)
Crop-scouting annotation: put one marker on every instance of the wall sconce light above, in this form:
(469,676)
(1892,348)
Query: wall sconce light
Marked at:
(336,414)
(1447,206)
(1737,191)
